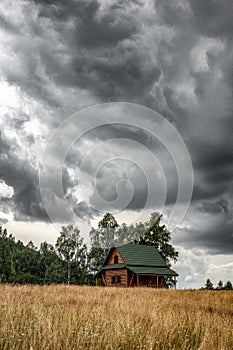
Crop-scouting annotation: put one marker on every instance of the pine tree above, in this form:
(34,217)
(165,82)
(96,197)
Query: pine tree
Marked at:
(228,285)
(220,285)
(209,284)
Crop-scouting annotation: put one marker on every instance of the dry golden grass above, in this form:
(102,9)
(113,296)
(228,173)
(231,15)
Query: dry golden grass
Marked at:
(71,317)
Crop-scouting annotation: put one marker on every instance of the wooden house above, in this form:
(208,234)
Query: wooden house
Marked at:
(135,265)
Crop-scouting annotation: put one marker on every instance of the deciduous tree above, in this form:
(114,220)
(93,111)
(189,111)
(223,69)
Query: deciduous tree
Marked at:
(70,248)
(157,235)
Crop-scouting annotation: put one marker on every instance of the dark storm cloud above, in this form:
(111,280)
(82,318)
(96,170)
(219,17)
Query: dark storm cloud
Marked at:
(26,201)
(105,56)
(83,211)
(219,206)
(128,167)
(173,56)
(216,237)
(18,174)
(212,17)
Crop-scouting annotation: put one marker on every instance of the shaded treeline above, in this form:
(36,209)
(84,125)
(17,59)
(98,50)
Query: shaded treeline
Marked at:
(220,286)
(70,260)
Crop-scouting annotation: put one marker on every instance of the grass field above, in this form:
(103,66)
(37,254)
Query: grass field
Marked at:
(71,317)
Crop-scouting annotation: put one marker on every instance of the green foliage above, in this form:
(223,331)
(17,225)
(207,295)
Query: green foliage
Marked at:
(95,259)
(70,261)
(132,233)
(109,233)
(51,266)
(71,250)
(220,285)
(209,284)
(102,239)
(5,255)
(158,235)
(108,221)
(228,285)
(22,264)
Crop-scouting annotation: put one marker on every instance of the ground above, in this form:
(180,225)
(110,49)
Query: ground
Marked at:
(72,317)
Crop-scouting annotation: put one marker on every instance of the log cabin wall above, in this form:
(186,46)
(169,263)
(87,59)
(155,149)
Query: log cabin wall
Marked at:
(132,279)
(112,279)
(114,253)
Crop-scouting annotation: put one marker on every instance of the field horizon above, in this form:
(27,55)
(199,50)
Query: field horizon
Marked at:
(82,317)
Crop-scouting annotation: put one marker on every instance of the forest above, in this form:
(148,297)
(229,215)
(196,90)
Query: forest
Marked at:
(72,261)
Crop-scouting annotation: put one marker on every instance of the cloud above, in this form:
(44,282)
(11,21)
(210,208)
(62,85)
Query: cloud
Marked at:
(5,191)
(210,229)
(174,57)
(192,267)
(196,265)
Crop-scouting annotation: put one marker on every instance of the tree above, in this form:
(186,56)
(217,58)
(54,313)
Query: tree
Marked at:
(108,221)
(51,266)
(6,261)
(157,235)
(27,265)
(95,259)
(220,285)
(209,284)
(128,234)
(101,240)
(70,248)
(228,285)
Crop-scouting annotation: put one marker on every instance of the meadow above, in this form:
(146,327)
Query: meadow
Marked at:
(72,317)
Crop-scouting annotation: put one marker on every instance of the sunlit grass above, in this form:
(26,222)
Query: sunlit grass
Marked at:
(71,317)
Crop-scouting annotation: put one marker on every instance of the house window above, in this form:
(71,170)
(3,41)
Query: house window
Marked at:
(119,279)
(116,259)
(113,279)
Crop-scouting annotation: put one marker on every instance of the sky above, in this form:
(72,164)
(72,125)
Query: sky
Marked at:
(121,106)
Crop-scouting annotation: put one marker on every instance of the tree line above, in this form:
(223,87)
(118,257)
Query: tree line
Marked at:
(70,260)
(220,286)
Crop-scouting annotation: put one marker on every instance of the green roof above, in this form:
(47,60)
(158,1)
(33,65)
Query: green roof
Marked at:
(152,270)
(141,255)
(113,266)
(140,259)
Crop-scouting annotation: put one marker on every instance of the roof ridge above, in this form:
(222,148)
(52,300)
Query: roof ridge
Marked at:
(164,266)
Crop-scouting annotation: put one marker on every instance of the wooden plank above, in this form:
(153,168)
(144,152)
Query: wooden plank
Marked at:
(103,279)
(115,273)
(110,259)
(131,280)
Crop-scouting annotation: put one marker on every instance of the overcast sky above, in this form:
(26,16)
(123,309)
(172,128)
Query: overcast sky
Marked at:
(173,57)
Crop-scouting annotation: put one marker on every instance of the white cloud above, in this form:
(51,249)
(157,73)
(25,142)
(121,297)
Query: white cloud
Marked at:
(5,190)
(222,271)
(200,53)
